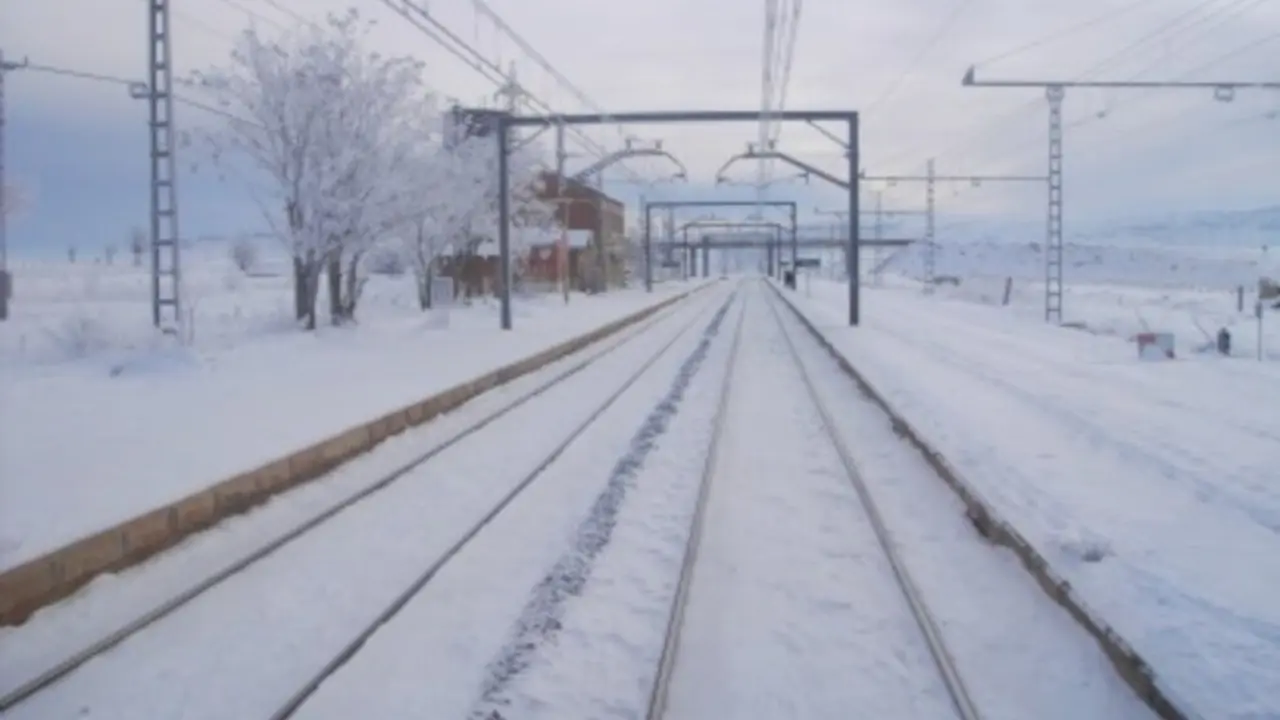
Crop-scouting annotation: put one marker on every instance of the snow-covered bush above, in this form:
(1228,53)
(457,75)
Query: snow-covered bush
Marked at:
(244,254)
(80,334)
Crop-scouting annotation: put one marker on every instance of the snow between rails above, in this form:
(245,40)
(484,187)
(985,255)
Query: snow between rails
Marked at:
(540,620)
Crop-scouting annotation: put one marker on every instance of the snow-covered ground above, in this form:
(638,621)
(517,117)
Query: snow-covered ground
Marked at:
(1150,485)
(295,609)
(1123,289)
(100,419)
(1220,267)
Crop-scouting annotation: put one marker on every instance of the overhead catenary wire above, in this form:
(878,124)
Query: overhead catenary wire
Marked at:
(558,76)
(1094,118)
(1222,19)
(237,5)
(1016,111)
(420,18)
(1064,33)
(126,82)
(943,28)
(1161,31)
(1166,28)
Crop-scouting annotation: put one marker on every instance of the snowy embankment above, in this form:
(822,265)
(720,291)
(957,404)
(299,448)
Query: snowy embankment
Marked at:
(1149,486)
(100,419)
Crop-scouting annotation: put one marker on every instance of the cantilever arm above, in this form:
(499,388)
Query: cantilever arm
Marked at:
(753,154)
(625,153)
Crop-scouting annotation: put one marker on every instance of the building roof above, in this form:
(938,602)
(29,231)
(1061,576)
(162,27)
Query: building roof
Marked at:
(550,182)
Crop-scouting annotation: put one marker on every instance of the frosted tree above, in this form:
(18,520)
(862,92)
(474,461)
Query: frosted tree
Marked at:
(244,254)
(327,125)
(137,245)
(460,185)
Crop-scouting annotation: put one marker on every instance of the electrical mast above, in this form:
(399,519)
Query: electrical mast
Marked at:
(1055,91)
(166,269)
(930,180)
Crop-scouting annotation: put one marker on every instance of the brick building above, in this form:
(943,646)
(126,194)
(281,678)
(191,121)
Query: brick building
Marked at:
(595,221)
(597,237)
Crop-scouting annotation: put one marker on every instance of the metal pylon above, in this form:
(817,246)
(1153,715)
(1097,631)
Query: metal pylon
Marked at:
(1053,239)
(166,277)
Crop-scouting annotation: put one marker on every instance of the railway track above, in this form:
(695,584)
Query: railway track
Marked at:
(232,643)
(943,663)
(405,601)
(835,621)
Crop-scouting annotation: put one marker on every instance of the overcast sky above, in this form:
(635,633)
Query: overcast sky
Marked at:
(81,146)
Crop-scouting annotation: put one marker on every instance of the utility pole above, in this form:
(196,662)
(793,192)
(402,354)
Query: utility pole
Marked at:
(1055,91)
(562,202)
(166,271)
(877,228)
(509,93)
(6,278)
(930,179)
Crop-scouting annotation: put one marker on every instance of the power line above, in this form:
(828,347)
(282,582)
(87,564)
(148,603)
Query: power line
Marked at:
(1136,97)
(1055,91)
(1222,15)
(1019,109)
(550,69)
(780,30)
(1110,60)
(418,16)
(1066,32)
(287,11)
(1091,70)
(137,87)
(251,13)
(941,30)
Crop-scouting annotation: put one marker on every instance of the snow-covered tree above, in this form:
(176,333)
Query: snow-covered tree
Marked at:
(137,245)
(460,184)
(244,254)
(329,125)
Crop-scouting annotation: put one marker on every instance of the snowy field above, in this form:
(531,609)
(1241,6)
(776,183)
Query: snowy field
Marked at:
(100,419)
(1121,290)
(1149,485)
(558,607)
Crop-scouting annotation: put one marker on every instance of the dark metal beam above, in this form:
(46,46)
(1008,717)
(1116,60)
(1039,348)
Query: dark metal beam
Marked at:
(649,207)
(505,121)
(788,159)
(731,224)
(697,116)
(976,179)
(659,204)
(827,243)
(971,81)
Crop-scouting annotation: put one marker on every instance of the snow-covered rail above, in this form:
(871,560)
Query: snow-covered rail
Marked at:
(286,593)
(828,572)
(929,629)
(941,657)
